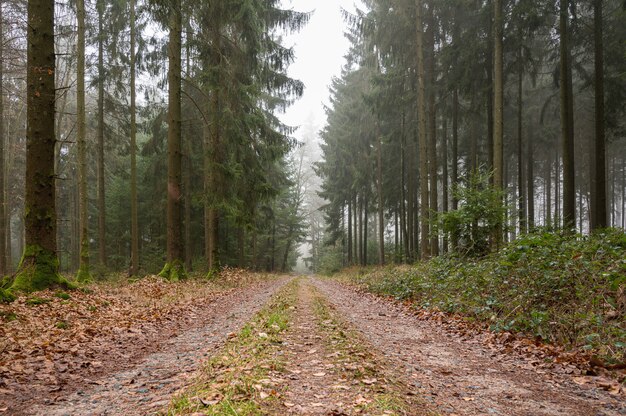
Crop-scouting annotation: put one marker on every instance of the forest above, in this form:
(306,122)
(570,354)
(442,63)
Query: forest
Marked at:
(449,240)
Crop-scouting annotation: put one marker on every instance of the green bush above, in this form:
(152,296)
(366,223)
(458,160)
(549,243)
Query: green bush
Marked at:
(479,214)
(563,288)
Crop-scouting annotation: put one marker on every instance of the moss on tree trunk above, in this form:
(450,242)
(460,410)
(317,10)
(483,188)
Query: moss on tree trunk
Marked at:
(38,270)
(174,271)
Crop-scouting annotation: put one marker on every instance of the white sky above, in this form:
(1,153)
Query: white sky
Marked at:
(319,48)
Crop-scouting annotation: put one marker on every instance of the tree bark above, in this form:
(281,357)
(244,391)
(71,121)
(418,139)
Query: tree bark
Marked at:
(444,165)
(101,127)
(432,133)
(530,182)
(567,120)
(520,157)
(3,211)
(134,220)
(381,215)
(174,269)
(83,271)
(598,177)
(422,136)
(39,266)
(498,106)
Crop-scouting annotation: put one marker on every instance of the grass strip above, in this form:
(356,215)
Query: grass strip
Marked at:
(379,393)
(239,379)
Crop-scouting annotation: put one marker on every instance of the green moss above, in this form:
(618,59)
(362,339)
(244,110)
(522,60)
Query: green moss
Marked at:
(174,271)
(8,316)
(6,296)
(38,270)
(83,275)
(62,295)
(35,301)
(62,325)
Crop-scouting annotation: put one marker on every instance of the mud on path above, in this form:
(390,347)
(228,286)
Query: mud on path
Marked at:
(461,376)
(145,385)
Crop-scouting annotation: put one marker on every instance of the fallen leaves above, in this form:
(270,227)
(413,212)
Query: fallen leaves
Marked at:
(51,337)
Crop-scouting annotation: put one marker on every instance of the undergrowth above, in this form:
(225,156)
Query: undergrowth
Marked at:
(566,289)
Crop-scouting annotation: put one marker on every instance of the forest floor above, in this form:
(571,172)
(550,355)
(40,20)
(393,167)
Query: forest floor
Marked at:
(306,346)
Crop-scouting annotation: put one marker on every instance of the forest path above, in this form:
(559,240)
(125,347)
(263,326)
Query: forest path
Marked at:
(330,370)
(460,375)
(145,386)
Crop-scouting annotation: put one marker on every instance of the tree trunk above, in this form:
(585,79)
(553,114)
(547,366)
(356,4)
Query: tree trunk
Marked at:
(187,169)
(422,138)
(548,192)
(349,230)
(365,226)
(598,176)
(520,157)
(498,106)
(39,266)
(101,127)
(3,199)
(174,269)
(567,120)
(381,215)
(444,165)
(134,228)
(530,180)
(83,271)
(432,133)
(490,62)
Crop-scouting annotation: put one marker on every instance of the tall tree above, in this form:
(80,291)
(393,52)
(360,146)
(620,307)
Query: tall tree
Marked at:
(598,174)
(3,203)
(422,134)
(498,107)
(100,5)
(567,118)
(174,268)
(39,266)
(83,271)
(134,230)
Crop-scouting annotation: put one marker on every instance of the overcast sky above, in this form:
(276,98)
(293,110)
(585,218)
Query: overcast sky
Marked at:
(319,49)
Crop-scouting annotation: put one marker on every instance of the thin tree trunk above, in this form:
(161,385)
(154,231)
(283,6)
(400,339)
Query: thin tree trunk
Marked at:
(134,228)
(444,165)
(432,134)
(350,230)
(498,106)
(530,182)
(455,160)
(365,228)
(101,127)
(598,177)
(548,192)
(520,157)
(381,215)
(422,138)
(567,120)
(490,65)
(187,170)
(83,271)
(3,199)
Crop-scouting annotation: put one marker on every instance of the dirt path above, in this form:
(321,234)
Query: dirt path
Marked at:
(146,385)
(328,371)
(461,376)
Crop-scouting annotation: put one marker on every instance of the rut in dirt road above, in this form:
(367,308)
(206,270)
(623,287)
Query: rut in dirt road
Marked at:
(148,385)
(461,376)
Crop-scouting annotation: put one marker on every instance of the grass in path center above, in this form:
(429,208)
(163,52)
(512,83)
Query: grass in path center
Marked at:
(238,380)
(378,392)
